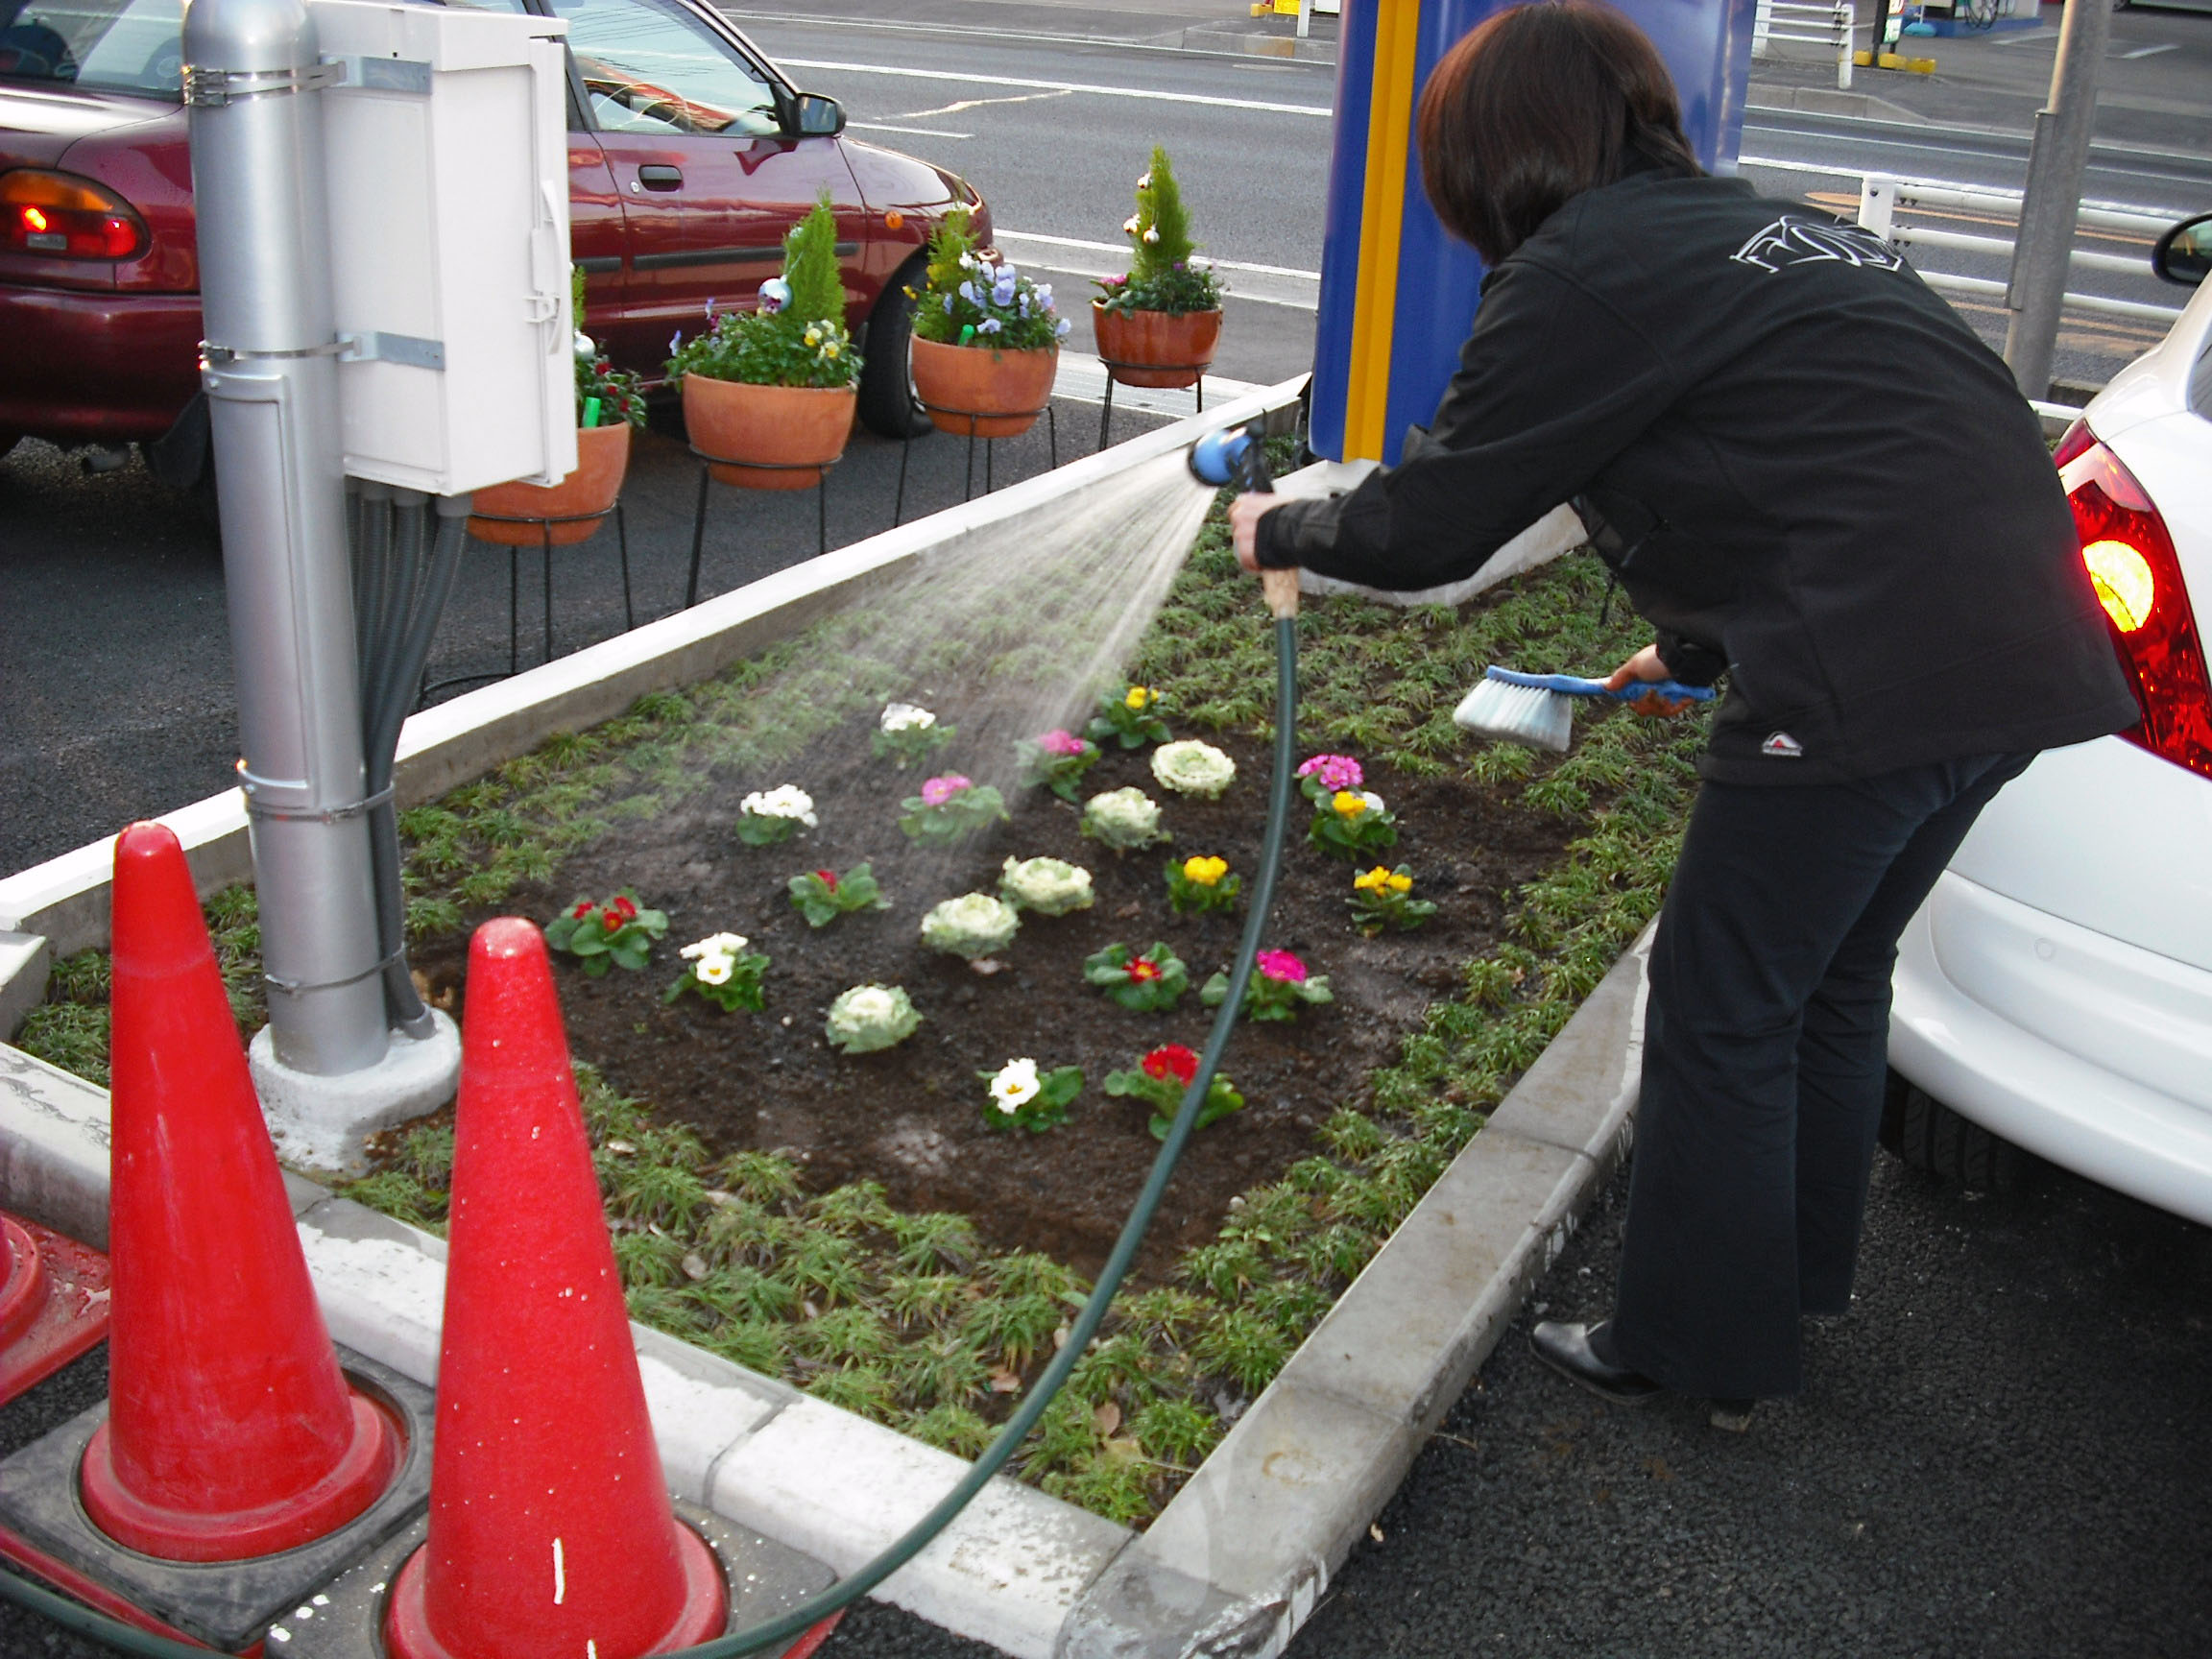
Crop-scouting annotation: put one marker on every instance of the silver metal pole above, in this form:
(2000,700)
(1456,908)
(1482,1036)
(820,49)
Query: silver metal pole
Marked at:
(270,370)
(2056,164)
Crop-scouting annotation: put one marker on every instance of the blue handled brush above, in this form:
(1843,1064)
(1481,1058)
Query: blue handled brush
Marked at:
(1537,710)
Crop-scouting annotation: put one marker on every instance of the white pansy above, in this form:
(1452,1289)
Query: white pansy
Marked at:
(1193,768)
(784,801)
(906,718)
(1016,1085)
(974,926)
(1048,886)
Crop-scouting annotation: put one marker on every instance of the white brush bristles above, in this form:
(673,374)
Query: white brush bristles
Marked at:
(1522,714)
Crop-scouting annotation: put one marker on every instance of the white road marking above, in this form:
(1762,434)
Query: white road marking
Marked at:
(1123,247)
(978,103)
(907,131)
(2150,51)
(1145,94)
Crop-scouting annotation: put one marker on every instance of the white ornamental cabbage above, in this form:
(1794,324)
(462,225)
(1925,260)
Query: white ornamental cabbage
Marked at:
(974,926)
(1123,818)
(871,1017)
(784,801)
(906,718)
(1193,768)
(1048,886)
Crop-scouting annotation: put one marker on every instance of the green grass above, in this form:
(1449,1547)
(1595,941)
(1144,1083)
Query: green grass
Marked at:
(905,1317)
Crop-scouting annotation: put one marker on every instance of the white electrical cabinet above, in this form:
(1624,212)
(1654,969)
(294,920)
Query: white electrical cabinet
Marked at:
(444,133)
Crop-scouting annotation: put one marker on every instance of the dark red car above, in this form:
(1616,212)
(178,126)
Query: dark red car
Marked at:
(690,156)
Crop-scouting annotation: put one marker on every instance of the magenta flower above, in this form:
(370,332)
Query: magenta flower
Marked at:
(939,790)
(1060,741)
(1337,772)
(1281,966)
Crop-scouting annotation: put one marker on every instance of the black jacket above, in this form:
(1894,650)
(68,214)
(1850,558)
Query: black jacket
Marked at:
(1803,466)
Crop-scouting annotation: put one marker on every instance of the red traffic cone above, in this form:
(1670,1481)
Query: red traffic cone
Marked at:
(551,1531)
(230,1431)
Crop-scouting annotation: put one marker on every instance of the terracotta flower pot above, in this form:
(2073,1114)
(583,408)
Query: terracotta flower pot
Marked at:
(792,432)
(980,391)
(1156,348)
(602,458)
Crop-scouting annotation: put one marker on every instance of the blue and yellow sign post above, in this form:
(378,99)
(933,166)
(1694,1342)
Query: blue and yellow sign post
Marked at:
(1398,294)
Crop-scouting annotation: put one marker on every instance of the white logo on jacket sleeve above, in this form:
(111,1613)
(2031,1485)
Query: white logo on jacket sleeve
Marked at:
(1781,746)
(1794,241)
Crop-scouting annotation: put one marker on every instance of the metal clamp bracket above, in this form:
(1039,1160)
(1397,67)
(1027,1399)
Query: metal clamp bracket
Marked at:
(411,350)
(256,807)
(406,75)
(210,89)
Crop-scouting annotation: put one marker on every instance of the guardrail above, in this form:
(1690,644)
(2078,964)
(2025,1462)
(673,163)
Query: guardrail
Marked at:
(1881,195)
(1806,24)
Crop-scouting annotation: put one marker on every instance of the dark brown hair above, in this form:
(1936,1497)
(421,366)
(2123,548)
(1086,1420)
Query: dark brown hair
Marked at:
(1538,104)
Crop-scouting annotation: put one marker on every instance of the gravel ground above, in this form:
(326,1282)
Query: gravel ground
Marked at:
(2002,1452)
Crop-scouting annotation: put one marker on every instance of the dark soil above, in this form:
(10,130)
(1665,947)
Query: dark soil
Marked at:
(912,1118)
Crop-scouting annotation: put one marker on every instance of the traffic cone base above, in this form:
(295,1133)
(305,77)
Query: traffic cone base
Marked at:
(703,1615)
(53,1307)
(355,1481)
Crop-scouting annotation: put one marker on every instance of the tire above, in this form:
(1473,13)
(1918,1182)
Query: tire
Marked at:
(1932,1137)
(888,406)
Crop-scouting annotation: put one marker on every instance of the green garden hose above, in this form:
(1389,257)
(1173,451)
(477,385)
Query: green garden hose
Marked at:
(1280,589)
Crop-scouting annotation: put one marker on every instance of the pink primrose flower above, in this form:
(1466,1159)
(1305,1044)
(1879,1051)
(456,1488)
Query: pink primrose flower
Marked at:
(939,790)
(1337,772)
(1060,741)
(1281,966)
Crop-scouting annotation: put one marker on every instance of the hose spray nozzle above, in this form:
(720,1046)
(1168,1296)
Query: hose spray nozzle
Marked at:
(1233,456)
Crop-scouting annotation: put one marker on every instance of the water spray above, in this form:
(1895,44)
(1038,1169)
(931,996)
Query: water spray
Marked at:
(1219,459)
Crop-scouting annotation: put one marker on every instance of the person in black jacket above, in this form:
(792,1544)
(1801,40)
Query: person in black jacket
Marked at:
(1810,476)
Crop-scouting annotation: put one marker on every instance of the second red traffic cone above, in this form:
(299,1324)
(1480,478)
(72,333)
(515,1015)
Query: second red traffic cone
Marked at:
(551,1531)
(230,1430)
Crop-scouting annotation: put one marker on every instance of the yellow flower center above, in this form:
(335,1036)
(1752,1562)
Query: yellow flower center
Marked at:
(1349,804)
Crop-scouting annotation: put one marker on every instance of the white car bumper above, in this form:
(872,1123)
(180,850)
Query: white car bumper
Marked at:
(2092,1053)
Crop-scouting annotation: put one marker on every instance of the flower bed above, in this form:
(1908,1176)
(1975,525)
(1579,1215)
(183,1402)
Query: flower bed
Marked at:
(872,1225)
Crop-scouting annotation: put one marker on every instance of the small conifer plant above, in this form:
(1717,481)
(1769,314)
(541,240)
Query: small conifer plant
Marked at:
(1165,271)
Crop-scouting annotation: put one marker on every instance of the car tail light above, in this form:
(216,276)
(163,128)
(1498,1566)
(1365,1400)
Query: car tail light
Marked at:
(2137,575)
(64,217)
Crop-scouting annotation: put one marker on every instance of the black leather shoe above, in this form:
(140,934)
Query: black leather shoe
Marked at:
(1567,1348)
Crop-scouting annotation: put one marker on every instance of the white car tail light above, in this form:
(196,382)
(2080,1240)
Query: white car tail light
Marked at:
(2130,559)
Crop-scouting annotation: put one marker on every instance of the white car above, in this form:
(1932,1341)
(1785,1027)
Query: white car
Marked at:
(2056,991)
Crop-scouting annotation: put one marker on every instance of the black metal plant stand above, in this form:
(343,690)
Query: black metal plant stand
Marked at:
(972,416)
(706,464)
(1197,387)
(545,558)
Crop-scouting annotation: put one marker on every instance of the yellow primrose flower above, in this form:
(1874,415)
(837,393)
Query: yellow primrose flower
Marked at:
(1139,696)
(1205,872)
(1373,882)
(1349,803)
(1401,884)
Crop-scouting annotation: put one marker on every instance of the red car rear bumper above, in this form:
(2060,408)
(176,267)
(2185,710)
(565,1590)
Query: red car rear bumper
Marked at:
(96,368)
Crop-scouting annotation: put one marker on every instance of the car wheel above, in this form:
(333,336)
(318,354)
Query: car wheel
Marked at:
(888,406)
(1930,1137)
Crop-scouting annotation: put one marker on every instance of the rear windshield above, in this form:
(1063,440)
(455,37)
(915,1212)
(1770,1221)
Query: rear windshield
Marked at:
(101,45)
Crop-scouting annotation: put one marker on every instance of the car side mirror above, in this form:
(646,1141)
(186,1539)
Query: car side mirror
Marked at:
(818,117)
(2185,254)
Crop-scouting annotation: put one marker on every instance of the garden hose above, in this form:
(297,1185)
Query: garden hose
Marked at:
(1280,590)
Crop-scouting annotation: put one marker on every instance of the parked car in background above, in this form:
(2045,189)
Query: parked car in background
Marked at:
(2056,991)
(690,156)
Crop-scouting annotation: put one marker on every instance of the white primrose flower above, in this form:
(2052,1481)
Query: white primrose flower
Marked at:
(715,957)
(784,801)
(871,1017)
(1048,886)
(974,926)
(1016,1086)
(1123,818)
(1193,768)
(1372,801)
(906,718)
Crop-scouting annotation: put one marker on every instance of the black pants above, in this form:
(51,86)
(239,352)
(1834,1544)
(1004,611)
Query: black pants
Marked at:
(1765,1039)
